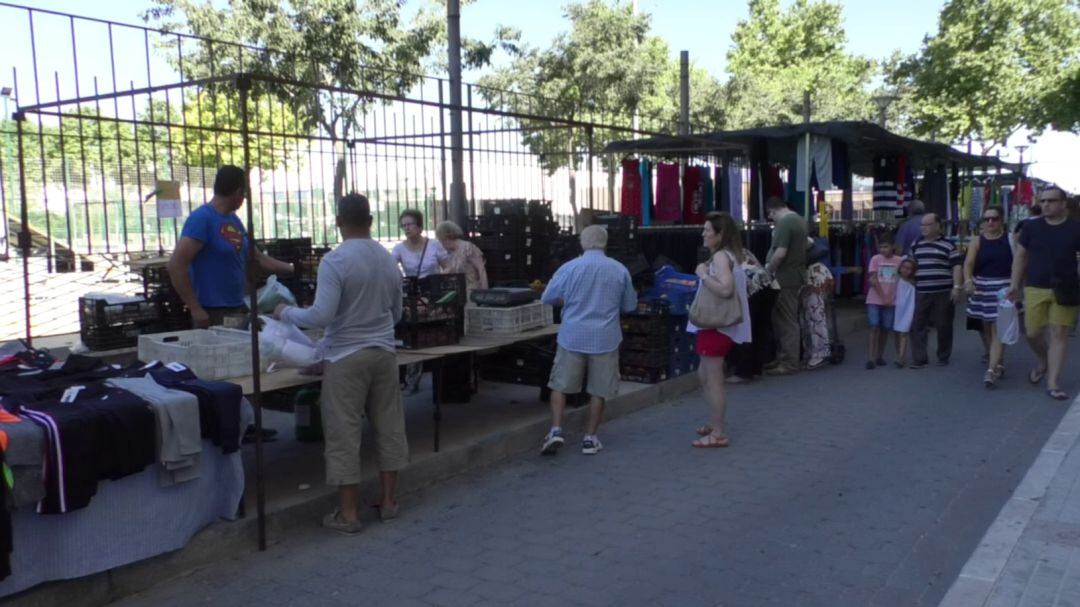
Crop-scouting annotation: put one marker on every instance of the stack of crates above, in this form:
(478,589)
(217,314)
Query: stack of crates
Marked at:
(526,362)
(655,344)
(624,246)
(158,288)
(294,251)
(307,276)
(432,311)
(515,237)
(109,326)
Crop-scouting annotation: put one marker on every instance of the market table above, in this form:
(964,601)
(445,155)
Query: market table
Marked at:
(469,344)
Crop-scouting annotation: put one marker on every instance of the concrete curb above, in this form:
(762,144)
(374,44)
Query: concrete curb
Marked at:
(986,564)
(233,539)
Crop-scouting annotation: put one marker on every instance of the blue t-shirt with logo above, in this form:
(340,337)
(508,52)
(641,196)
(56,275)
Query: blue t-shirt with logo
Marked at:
(217,272)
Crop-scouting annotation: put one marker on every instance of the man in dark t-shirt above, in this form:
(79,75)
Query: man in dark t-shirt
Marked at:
(1045,263)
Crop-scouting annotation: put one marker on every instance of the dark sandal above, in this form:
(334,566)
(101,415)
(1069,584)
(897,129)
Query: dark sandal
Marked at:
(1036,375)
(711,441)
(1057,394)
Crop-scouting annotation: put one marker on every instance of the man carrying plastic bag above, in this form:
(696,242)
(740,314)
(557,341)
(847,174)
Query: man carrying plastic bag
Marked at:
(358,302)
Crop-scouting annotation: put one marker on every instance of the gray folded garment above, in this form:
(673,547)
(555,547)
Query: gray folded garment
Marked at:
(25,456)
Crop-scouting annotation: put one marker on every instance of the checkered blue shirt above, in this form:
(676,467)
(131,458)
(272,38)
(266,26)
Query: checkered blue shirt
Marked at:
(592,289)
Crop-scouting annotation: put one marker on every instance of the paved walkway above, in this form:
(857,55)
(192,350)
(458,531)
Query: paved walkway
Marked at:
(842,487)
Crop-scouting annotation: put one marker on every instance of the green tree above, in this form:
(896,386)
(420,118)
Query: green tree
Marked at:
(777,55)
(358,45)
(604,70)
(995,66)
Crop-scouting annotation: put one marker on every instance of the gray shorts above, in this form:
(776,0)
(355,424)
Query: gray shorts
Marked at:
(569,370)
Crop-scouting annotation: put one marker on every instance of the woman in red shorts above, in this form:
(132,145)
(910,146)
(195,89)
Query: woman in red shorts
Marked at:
(723,276)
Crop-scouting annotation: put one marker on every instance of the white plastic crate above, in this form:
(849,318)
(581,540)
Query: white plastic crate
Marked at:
(481,320)
(211,353)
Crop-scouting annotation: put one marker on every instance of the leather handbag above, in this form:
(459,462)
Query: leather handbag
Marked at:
(711,311)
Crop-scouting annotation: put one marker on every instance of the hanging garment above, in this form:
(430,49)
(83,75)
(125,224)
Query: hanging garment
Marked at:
(963,203)
(721,194)
(954,192)
(646,192)
(905,184)
(821,163)
(1025,193)
(978,203)
(774,185)
(936,188)
(631,188)
(735,192)
(710,191)
(668,208)
(840,167)
(884,183)
(693,210)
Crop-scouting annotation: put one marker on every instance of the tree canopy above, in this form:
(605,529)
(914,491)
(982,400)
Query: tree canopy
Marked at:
(777,55)
(993,67)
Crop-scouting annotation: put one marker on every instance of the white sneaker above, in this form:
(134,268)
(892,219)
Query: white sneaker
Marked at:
(591,446)
(552,442)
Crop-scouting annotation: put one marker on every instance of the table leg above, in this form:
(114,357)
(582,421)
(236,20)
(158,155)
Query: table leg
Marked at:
(437,389)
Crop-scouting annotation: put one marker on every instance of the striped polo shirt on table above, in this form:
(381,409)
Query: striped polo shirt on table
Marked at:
(936,259)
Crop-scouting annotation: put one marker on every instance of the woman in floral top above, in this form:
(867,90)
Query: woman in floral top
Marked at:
(747,359)
(465,257)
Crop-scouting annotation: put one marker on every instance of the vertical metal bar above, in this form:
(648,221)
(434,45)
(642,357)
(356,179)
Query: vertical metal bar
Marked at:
(258,164)
(82,144)
(101,161)
(24,228)
(153,136)
(119,145)
(472,161)
(442,146)
(139,197)
(186,156)
(63,169)
(589,142)
(41,146)
(172,165)
(284,164)
(243,83)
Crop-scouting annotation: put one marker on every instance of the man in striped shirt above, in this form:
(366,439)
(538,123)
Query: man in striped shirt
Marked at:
(938,283)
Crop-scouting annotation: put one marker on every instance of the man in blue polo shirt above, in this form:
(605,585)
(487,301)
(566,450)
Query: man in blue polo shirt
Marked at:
(208,268)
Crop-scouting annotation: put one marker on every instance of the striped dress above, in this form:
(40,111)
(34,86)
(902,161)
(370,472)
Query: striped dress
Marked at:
(993,267)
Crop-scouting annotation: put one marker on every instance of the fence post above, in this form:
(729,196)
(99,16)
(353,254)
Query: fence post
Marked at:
(589,142)
(243,85)
(24,227)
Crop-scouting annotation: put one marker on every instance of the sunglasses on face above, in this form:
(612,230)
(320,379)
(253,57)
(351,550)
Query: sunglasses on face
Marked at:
(991,218)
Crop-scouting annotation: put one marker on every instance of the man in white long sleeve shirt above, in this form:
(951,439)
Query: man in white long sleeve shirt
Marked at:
(358,302)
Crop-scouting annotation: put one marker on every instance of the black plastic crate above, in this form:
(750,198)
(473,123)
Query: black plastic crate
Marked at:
(504,207)
(97,313)
(112,338)
(502,242)
(647,358)
(653,307)
(643,375)
(648,341)
(498,224)
(415,336)
(156,281)
(539,208)
(435,287)
(616,221)
(511,257)
(285,249)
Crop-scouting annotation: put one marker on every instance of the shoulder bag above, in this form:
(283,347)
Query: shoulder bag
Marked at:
(711,311)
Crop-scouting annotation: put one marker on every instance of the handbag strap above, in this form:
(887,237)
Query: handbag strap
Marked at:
(420,264)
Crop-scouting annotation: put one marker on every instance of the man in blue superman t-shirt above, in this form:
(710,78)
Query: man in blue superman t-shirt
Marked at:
(208,266)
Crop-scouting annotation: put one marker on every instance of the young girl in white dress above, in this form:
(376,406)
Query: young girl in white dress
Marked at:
(905,308)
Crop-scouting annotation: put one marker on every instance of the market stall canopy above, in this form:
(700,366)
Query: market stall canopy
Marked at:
(865,140)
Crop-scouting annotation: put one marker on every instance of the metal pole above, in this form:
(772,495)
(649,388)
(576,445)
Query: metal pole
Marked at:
(807,196)
(24,229)
(589,141)
(243,83)
(684,114)
(457,164)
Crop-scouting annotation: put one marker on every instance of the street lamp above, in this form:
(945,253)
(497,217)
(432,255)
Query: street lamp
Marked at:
(6,94)
(883,102)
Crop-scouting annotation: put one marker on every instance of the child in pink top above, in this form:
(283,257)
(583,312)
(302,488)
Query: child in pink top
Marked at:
(881,299)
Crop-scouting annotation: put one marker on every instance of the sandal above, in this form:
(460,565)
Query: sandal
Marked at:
(711,441)
(1057,394)
(1036,375)
(704,431)
(999,371)
(990,378)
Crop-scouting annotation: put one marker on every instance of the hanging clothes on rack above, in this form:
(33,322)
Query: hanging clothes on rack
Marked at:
(710,191)
(884,183)
(693,210)
(646,192)
(735,192)
(936,190)
(1024,195)
(840,167)
(722,193)
(821,164)
(774,184)
(631,189)
(668,205)
(954,192)
(905,184)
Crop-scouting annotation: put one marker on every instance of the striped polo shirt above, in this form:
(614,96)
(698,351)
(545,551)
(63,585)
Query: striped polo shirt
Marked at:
(936,259)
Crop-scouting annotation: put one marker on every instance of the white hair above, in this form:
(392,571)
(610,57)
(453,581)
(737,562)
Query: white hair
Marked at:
(594,237)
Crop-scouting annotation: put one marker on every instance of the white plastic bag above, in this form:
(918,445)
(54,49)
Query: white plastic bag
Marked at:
(286,345)
(1008,323)
(272,294)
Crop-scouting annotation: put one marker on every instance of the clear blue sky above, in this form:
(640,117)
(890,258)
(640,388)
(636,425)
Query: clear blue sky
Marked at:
(703,27)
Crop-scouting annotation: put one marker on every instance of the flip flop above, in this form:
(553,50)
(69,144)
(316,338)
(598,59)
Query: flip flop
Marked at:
(1036,375)
(711,441)
(1058,394)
